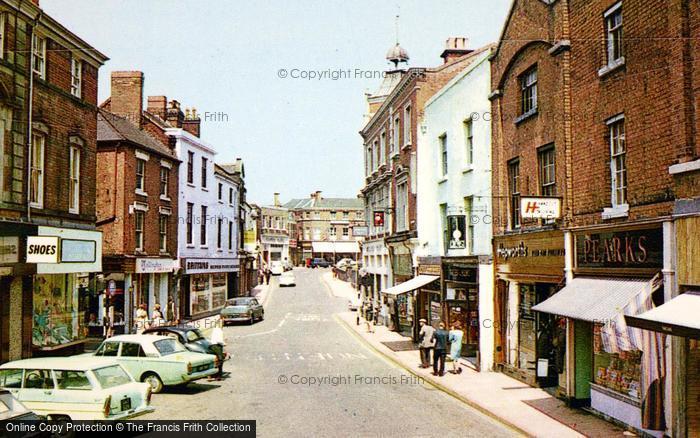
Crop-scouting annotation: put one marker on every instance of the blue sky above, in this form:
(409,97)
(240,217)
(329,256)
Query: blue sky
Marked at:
(295,136)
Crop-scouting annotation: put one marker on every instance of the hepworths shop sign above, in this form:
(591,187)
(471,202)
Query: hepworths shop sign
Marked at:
(533,207)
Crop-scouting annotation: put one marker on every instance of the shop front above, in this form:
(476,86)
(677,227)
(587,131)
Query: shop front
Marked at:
(206,284)
(529,268)
(461,298)
(63,288)
(615,370)
(403,299)
(429,297)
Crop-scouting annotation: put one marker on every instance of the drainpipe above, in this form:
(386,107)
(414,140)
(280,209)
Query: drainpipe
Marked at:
(29,118)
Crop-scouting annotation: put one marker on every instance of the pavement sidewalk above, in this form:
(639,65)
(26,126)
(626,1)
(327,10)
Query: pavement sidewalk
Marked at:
(339,288)
(495,394)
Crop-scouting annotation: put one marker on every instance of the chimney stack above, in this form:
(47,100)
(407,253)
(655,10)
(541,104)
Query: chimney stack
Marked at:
(127,95)
(174,115)
(277,200)
(455,47)
(192,123)
(157,105)
(316,195)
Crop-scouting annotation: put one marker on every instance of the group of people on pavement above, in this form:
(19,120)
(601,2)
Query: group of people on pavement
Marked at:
(437,340)
(264,274)
(157,317)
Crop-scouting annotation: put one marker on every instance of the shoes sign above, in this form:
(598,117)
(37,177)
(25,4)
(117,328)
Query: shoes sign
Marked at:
(42,249)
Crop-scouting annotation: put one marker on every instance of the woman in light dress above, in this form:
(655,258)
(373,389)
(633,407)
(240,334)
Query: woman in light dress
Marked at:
(455,337)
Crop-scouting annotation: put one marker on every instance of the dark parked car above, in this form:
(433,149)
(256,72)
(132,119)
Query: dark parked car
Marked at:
(242,309)
(320,263)
(190,337)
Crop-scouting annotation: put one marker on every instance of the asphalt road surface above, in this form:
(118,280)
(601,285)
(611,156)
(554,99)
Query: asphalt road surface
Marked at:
(301,373)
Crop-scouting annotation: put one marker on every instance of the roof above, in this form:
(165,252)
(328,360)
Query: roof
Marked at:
(325,203)
(81,362)
(137,338)
(593,299)
(235,167)
(111,127)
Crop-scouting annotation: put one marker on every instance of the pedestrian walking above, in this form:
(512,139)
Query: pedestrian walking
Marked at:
(440,337)
(369,318)
(218,342)
(141,319)
(171,311)
(455,338)
(157,316)
(268,273)
(425,342)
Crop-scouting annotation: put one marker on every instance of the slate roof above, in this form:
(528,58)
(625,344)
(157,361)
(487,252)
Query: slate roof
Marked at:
(111,127)
(325,204)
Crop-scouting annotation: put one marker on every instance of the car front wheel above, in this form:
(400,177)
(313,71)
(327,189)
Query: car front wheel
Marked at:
(155,382)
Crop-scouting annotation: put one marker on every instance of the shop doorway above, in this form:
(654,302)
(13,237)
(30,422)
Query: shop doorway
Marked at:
(693,388)
(4,319)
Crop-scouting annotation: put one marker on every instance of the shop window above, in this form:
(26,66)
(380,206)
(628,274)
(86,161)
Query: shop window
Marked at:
(58,318)
(219,286)
(618,372)
(200,298)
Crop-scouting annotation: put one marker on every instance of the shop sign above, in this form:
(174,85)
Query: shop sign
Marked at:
(9,249)
(292,243)
(522,250)
(204,266)
(379,219)
(620,249)
(533,207)
(456,230)
(153,266)
(42,249)
(77,251)
(360,231)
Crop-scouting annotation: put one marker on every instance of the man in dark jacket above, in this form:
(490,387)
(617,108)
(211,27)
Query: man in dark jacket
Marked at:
(440,337)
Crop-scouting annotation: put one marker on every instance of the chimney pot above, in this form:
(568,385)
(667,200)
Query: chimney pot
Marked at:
(455,47)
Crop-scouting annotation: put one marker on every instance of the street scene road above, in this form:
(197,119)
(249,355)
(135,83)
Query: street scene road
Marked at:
(361,394)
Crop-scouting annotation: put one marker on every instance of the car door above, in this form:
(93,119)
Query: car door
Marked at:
(75,392)
(133,358)
(37,392)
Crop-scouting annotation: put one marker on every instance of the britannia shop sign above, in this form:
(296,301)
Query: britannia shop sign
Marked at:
(204,266)
(620,249)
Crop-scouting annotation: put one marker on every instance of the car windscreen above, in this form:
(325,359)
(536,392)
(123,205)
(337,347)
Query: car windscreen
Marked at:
(72,380)
(10,378)
(193,335)
(240,302)
(112,376)
(168,346)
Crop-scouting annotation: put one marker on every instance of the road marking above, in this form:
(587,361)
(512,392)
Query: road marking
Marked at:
(312,357)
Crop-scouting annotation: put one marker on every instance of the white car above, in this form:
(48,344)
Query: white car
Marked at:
(276,268)
(76,388)
(287,279)
(354,303)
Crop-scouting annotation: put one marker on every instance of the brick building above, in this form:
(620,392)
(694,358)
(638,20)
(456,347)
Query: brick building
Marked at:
(614,132)
(48,244)
(390,135)
(137,197)
(325,227)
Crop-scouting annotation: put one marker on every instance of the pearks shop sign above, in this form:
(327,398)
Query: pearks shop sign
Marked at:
(620,249)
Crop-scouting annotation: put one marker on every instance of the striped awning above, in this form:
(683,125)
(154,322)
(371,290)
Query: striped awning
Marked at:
(411,285)
(678,317)
(593,299)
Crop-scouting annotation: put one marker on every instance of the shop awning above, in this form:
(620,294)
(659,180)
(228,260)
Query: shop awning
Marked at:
(410,285)
(677,317)
(350,247)
(593,299)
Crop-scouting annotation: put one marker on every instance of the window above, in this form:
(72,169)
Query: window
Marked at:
(332,232)
(132,349)
(74,180)
(382,141)
(346,215)
(377,150)
(618,161)
(3,21)
(407,125)
(190,167)
(221,192)
(317,215)
(230,235)
(140,174)
(164,178)
(368,161)
(613,29)
(36,189)
(514,186)
(138,226)
(395,136)
(334,215)
(163,230)
(546,157)
(443,226)
(443,154)
(230,195)
(468,142)
(219,222)
(203,226)
(204,172)
(401,206)
(528,91)
(76,77)
(190,207)
(39,56)
(346,232)
(469,212)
